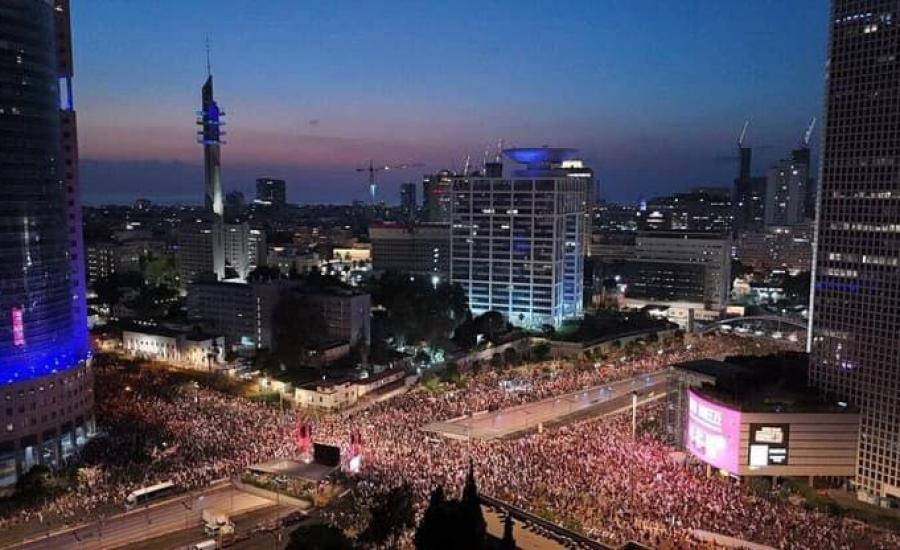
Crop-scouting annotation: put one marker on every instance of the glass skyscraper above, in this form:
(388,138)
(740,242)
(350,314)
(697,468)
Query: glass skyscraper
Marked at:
(45,382)
(855,336)
(517,244)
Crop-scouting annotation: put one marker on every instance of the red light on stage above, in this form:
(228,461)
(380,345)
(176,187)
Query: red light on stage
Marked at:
(18,327)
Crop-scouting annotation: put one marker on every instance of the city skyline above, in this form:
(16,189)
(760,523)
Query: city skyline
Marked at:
(639,110)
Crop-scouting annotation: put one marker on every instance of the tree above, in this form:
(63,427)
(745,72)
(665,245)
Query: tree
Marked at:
(391,514)
(491,324)
(466,335)
(541,351)
(297,324)
(318,537)
(264,273)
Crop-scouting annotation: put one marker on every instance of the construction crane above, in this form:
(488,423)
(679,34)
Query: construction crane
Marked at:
(740,141)
(807,135)
(385,168)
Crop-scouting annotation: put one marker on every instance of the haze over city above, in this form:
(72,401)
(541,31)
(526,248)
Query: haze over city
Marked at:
(653,94)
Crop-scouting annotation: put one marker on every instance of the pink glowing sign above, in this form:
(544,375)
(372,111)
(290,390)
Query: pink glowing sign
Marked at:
(713,433)
(18,327)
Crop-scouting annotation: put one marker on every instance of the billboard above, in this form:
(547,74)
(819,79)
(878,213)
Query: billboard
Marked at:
(769,444)
(713,433)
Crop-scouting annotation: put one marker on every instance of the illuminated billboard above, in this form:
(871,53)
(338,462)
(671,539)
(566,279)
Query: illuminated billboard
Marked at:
(713,433)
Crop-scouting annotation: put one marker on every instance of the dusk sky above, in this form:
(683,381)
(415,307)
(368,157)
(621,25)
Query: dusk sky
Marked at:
(653,92)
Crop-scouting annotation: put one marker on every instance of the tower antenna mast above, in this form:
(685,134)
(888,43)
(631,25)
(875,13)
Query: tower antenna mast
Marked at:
(208,64)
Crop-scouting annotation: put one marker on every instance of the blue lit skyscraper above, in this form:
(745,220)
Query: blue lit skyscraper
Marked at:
(44,352)
(517,243)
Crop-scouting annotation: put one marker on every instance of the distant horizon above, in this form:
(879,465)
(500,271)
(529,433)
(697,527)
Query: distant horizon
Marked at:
(653,94)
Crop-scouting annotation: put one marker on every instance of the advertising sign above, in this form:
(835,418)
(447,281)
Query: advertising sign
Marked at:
(769,444)
(713,433)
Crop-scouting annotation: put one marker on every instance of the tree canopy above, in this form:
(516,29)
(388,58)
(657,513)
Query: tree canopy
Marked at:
(417,310)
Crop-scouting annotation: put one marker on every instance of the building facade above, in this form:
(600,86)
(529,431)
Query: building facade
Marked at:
(409,208)
(687,274)
(786,192)
(436,190)
(188,349)
(423,249)
(45,378)
(777,247)
(517,244)
(855,318)
(748,200)
(242,312)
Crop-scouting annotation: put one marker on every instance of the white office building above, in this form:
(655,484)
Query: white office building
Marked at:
(517,243)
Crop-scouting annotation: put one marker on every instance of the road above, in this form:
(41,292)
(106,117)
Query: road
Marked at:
(155,520)
(597,400)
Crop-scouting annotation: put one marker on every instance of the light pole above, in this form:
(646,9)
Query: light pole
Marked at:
(634,398)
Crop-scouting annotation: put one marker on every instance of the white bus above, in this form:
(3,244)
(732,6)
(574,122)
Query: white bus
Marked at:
(146,494)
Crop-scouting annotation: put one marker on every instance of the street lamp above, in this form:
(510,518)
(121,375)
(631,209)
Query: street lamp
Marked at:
(634,399)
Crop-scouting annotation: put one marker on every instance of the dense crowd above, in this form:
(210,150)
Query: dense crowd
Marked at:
(590,475)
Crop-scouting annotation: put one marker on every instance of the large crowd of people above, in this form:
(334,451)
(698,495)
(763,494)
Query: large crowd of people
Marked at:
(591,475)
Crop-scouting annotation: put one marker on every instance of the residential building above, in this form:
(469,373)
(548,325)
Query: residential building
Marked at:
(436,196)
(786,192)
(749,197)
(245,248)
(422,249)
(102,260)
(517,243)
(776,247)
(242,312)
(855,311)
(45,374)
(408,206)
(704,209)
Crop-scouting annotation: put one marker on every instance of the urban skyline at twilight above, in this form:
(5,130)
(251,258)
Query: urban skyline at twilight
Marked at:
(313,92)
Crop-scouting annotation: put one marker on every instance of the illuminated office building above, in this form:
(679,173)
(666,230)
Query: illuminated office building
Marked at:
(517,243)
(855,320)
(46,383)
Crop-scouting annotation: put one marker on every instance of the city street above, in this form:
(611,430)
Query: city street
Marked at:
(597,400)
(155,520)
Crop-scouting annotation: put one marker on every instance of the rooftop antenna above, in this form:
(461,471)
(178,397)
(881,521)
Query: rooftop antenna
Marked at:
(808,134)
(497,157)
(208,64)
(466,166)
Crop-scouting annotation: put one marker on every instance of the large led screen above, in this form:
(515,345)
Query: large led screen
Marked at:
(713,433)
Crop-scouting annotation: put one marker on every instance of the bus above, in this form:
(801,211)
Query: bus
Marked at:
(146,494)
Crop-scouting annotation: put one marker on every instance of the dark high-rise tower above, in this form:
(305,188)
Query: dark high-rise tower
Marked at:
(855,317)
(44,353)
(408,206)
(210,120)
